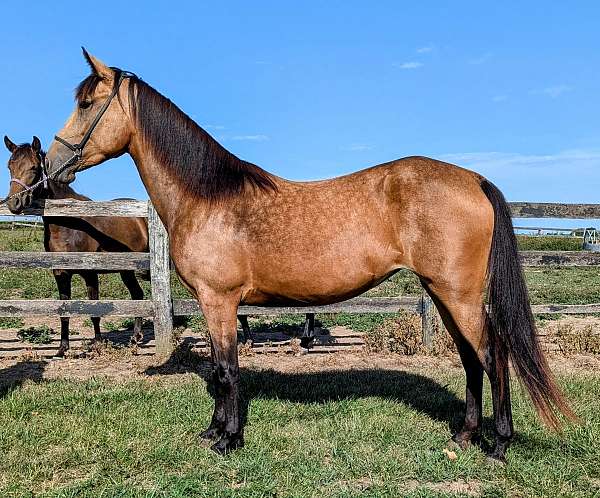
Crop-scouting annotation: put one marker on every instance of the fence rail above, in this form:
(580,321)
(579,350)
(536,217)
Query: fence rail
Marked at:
(162,307)
(131,207)
(140,261)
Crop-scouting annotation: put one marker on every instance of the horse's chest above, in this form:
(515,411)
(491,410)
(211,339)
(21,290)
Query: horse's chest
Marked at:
(62,239)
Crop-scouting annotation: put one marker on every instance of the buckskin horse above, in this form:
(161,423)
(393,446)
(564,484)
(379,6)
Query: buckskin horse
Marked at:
(65,234)
(239,234)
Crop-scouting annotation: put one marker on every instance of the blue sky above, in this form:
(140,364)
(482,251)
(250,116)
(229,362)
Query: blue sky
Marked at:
(311,90)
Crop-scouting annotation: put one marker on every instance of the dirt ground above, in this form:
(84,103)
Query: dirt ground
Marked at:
(339,349)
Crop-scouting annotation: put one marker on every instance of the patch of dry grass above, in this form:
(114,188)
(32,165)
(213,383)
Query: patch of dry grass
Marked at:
(403,334)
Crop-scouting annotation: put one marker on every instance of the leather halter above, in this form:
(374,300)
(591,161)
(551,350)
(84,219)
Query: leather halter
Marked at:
(31,188)
(77,149)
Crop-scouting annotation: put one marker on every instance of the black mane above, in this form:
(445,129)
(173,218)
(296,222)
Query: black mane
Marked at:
(197,161)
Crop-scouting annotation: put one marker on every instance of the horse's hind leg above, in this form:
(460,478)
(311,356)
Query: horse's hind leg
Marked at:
(63,282)
(498,373)
(92,284)
(308,335)
(465,318)
(137,293)
(452,315)
(246,332)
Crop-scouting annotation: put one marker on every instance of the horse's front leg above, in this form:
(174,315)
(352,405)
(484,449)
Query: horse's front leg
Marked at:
(225,426)
(63,282)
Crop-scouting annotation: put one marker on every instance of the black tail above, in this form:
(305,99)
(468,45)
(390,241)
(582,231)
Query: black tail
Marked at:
(512,327)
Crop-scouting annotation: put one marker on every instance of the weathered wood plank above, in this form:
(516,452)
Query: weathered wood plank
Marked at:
(75,208)
(76,260)
(141,261)
(145,308)
(387,305)
(129,207)
(560,258)
(554,210)
(50,307)
(161,283)
(183,307)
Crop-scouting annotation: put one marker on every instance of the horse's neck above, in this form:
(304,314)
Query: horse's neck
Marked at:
(58,190)
(168,199)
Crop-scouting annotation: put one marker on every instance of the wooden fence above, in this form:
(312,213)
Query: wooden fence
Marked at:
(162,307)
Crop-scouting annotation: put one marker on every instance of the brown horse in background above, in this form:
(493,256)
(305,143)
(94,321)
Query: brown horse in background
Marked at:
(239,234)
(94,234)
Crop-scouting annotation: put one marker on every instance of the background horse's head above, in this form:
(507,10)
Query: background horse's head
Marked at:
(98,129)
(26,172)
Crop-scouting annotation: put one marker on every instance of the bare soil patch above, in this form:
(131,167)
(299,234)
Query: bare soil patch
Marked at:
(116,359)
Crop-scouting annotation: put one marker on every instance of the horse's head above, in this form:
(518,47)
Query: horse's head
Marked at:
(98,129)
(26,166)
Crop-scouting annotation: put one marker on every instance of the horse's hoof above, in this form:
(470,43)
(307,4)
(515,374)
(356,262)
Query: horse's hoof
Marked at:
(135,340)
(461,440)
(306,342)
(228,443)
(210,434)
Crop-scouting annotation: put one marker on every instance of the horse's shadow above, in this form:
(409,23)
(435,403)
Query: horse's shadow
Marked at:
(419,392)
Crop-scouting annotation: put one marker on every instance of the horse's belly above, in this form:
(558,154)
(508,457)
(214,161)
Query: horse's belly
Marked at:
(316,282)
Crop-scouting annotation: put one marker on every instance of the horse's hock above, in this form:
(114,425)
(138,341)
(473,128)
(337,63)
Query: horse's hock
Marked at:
(162,308)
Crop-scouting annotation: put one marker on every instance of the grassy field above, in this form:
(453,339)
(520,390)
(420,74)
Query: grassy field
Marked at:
(374,433)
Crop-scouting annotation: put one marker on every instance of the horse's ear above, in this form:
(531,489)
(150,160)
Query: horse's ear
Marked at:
(36,144)
(9,144)
(97,66)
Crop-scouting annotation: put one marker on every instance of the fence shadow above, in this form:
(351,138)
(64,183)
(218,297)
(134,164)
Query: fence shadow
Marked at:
(15,375)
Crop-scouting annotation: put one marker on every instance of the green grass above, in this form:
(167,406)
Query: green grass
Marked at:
(22,239)
(11,322)
(547,243)
(36,335)
(338,434)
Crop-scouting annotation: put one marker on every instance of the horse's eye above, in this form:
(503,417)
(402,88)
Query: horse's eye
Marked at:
(85,104)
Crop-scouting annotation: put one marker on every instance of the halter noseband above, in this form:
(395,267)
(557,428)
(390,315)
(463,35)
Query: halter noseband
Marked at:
(77,149)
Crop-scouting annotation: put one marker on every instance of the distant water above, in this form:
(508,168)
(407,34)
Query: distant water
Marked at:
(554,223)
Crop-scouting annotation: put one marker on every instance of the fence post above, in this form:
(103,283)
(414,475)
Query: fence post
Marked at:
(160,275)
(430,320)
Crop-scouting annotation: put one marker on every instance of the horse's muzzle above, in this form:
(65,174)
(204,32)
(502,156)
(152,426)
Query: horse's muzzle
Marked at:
(20,202)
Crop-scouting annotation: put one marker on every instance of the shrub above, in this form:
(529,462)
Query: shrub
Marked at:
(36,335)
